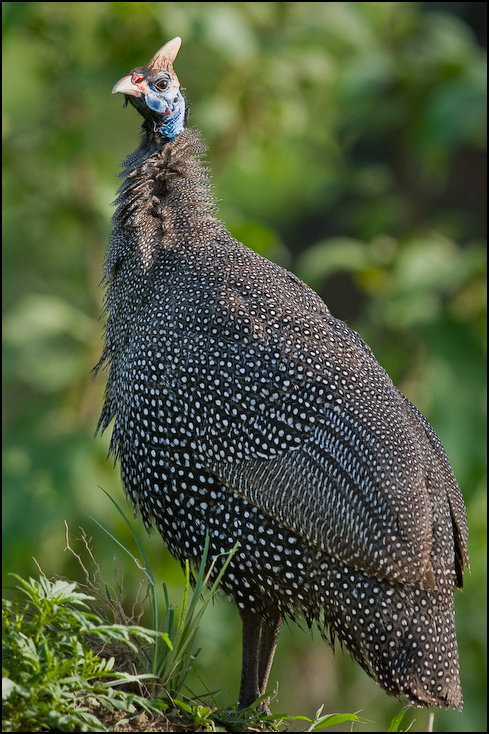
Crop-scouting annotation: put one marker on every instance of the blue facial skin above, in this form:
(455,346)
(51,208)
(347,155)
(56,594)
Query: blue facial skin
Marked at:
(174,126)
(154,106)
(169,125)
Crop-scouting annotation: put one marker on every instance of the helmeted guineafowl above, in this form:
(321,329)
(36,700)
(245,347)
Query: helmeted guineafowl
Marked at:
(245,410)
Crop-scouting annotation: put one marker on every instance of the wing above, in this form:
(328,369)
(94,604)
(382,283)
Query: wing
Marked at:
(329,451)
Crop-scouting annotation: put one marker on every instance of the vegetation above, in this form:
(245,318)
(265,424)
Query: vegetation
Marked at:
(50,671)
(347,142)
(62,663)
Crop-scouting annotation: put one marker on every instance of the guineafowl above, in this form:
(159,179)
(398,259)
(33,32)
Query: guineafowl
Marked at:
(246,412)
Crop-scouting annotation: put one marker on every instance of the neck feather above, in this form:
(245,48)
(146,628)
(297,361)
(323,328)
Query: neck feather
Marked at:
(165,197)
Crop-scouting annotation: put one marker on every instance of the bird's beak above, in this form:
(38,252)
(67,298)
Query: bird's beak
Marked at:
(127,86)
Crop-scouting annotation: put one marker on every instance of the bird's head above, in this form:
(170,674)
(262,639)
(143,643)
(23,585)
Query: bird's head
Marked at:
(154,90)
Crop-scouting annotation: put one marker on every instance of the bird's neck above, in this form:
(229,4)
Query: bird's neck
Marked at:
(164,199)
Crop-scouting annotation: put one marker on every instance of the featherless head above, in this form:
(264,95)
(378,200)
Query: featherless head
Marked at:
(154,90)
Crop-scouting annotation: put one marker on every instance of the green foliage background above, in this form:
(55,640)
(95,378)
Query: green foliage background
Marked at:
(347,142)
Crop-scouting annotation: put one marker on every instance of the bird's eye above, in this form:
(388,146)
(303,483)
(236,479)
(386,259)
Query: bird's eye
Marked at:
(162,85)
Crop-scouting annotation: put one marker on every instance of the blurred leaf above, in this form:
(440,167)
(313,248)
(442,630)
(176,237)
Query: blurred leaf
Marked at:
(39,317)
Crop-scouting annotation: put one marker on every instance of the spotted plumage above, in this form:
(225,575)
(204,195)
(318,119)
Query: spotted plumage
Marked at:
(245,410)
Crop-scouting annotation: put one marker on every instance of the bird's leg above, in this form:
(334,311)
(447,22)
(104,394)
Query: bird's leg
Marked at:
(268,644)
(259,643)
(249,690)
